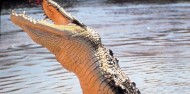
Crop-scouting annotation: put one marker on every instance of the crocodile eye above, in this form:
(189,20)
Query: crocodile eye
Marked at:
(133,83)
(111,52)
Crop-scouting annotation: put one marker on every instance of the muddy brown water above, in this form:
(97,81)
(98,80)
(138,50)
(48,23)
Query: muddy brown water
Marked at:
(151,41)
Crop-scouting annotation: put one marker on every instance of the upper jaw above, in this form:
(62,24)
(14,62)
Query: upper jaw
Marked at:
(60,9)
(46,4)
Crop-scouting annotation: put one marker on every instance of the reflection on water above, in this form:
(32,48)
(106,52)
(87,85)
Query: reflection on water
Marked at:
(151,41)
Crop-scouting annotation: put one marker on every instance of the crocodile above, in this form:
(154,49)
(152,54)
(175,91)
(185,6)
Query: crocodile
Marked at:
(78,48)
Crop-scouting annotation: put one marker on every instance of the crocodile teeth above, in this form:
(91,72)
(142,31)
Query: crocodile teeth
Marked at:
(34,21)
(13,11)
(16,14)
(24,12)
(30,20)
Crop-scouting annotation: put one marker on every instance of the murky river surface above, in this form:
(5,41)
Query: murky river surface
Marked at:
(152,42)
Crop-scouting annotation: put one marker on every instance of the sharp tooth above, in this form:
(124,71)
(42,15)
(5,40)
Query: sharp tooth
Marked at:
(24,12)
(34,21)
(13,11)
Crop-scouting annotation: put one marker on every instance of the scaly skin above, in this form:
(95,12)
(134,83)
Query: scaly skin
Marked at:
(79,49)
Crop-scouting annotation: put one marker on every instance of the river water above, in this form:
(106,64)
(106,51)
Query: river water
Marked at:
(151,41)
